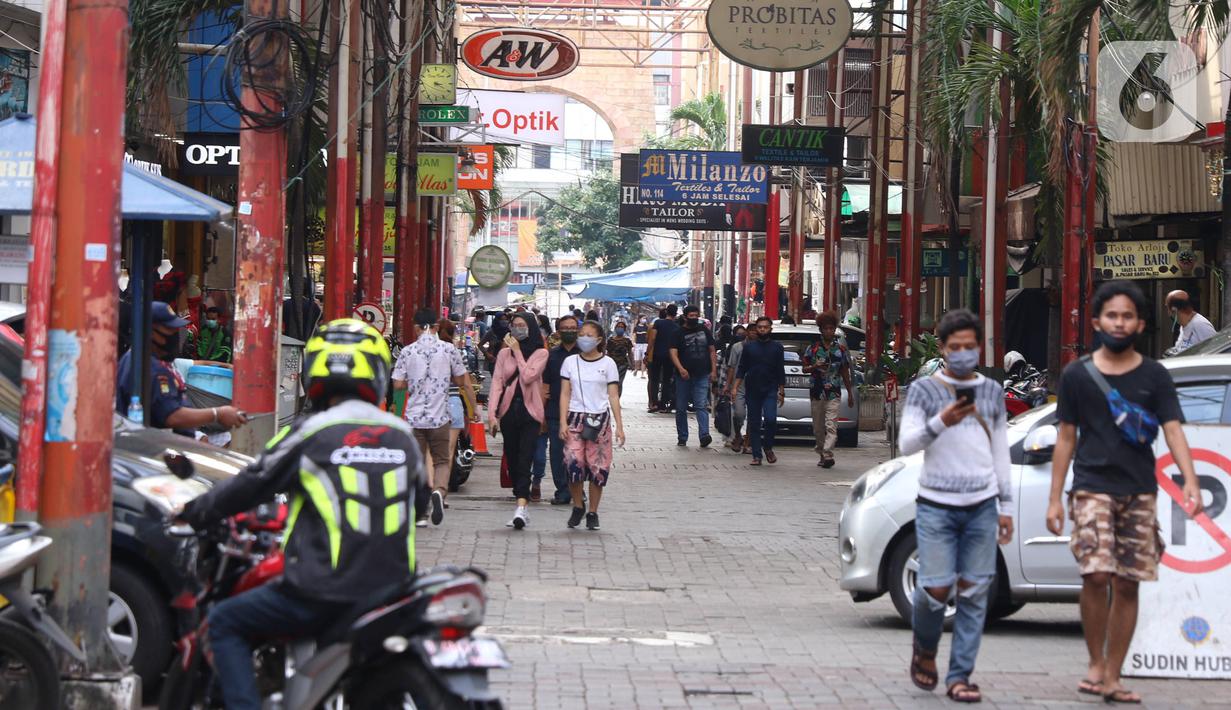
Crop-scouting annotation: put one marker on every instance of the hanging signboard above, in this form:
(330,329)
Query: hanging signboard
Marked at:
(520,54)
(638,213)
(15,257)
(480,175)
(701,176)
(209,154)
(1155,259)
(811,146)
(515,117)
(443,115)
(14,81)
(491,267)
(775,36)
(1183,614)
(437,174)
(936,262)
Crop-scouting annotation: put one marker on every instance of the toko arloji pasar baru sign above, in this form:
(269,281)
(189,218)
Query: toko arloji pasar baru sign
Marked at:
(779,36)
(700,176)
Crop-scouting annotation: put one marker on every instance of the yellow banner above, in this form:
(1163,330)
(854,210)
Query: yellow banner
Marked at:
(437,174)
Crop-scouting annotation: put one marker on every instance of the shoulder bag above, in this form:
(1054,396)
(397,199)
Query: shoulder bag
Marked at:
(1137,425)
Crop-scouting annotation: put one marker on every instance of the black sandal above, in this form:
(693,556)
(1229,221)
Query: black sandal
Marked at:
(1122,696)
(1090,687)
(963,692)
(921,677)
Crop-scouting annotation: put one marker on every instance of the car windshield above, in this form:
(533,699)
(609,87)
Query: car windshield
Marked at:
(794,344)
(1219,342)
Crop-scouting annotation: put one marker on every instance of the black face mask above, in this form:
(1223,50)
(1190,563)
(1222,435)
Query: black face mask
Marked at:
(692,322)
(1117,344)
(764,336)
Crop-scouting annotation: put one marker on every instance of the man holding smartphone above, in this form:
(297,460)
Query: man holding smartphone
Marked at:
(957,418)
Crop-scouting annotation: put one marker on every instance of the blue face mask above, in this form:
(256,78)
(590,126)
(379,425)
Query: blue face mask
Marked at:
(621,331)
(962,362)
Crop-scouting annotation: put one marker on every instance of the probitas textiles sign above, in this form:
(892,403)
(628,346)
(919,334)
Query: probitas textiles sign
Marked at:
(779,36)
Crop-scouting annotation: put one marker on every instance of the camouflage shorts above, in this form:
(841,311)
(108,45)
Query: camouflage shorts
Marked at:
(1116,534)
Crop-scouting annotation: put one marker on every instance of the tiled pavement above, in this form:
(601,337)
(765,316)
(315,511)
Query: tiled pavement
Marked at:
(714,585)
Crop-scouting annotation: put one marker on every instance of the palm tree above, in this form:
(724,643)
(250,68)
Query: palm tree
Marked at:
(709,116)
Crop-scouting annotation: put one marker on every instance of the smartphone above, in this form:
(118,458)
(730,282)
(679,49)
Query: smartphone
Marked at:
(966,395)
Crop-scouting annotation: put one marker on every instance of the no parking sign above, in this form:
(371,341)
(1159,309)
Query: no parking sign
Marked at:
(1184,622)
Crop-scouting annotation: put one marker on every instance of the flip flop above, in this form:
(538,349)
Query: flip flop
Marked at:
(923,679)
(1122,696)
(961,692)
(1090,687)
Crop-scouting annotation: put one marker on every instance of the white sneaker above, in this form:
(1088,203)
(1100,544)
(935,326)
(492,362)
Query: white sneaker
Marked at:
(421,523)
(520,519)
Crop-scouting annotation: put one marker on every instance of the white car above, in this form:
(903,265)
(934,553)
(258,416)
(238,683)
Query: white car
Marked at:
(876,531)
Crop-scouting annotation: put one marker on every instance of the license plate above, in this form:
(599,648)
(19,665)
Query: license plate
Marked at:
(799,381)
(466,653)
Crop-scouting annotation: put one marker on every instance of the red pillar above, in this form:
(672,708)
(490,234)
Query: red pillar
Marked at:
(795,280)
(407,214)
(372,244)
(340,184)
(833,211)
(259,261)
(912,196)
(878,228)
(773,254)
(71,322)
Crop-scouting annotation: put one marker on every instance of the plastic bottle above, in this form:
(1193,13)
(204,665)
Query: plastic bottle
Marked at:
(135,412)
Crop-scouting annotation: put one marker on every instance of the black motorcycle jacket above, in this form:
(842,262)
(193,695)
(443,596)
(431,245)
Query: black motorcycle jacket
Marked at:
(351,474)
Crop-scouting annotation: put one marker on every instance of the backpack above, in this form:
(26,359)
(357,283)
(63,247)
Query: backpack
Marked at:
(1137,425)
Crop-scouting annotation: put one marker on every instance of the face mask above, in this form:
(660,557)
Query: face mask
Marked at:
(621,331)
(1117,344)
(962,362)
(692,322)
(568,336)
(763,336)
(520,332)
(211,323)
(587,343)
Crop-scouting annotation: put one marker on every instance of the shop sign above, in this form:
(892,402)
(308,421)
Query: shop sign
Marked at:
(775,36)
(443,115)
(14,81)
(209,154)
(701,176)
(480,175)
(15,257)
(520,54)
(437,175)
(811,146)
(516,117)
(491,267)
(936,262)
(639,213)
(1186,612)
(1155,259)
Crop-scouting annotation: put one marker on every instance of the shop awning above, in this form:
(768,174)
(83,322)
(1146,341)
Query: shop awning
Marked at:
(143,195)
(645,286)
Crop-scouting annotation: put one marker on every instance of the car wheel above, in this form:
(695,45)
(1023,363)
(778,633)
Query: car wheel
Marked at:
(903,573)
(848,438)
(1002,608)
(139,624)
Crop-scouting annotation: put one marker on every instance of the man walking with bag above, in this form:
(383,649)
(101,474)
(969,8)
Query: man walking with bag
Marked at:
(957,418)
(829,363)
(695,359)
(1111,407)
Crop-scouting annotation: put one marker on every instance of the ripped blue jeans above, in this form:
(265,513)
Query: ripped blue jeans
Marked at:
(955,544)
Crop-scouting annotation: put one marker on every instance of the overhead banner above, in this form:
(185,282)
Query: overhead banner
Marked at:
(437,174)
(810,146)
(701,176)
(777,36)
(480,174)
(638,213)
(520,53)
(1183,614)
(514,117)
(1154,259)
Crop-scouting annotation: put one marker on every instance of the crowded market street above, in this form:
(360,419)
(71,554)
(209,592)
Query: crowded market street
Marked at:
(715,585)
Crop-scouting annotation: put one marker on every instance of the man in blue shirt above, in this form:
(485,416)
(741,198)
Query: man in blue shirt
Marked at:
(166,408)
(762,371)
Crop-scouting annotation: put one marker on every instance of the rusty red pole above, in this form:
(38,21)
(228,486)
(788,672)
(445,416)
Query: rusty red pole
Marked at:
(372,242)
(42,244)
(78,209)
(745,248)
(912,193)
(878,216)
(340,186)
(795,279)
(259,245)
(407,211)
(773,253)
(834,116)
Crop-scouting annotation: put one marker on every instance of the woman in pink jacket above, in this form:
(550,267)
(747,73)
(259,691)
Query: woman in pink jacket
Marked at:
(515,404)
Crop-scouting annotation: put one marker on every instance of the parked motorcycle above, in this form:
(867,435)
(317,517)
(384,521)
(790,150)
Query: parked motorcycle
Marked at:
(463,462)
(1025,387)
(31,678)
(407,645)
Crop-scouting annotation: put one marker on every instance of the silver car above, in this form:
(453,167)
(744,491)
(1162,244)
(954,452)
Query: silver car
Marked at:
(795,414)
(876,531)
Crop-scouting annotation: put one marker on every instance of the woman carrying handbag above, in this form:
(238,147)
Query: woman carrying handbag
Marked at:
(589,401)
(515,404)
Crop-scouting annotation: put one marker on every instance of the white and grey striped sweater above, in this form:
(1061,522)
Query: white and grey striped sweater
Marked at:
(960,466)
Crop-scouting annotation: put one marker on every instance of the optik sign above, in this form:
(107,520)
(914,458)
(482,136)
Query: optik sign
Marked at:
(809,146)
(520,54)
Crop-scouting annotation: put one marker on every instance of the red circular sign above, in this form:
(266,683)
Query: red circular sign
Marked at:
(1206,523)
(372,314)
(520,53)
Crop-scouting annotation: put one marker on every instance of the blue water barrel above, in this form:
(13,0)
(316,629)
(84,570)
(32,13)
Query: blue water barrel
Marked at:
(216,380)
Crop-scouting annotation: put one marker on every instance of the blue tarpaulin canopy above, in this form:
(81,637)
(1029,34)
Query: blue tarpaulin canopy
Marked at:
(646,286)
(143,195)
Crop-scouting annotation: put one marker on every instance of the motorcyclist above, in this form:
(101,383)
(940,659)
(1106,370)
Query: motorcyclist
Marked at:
(353,475)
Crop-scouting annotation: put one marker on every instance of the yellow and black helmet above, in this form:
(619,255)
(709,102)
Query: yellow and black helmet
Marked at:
(346,357)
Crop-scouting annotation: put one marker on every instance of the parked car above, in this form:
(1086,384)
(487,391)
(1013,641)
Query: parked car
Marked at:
(1217,343)
(143,569)
(795,415)
(876,530)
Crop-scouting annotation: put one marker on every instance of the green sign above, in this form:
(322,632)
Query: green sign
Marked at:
(444,114)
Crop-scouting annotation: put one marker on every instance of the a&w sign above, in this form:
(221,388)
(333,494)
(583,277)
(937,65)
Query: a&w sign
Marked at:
(520,54)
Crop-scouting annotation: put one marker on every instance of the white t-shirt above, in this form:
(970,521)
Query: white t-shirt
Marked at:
(589,382)
(1198,329)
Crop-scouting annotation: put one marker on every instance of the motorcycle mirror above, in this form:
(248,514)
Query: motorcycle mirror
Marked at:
(179,465)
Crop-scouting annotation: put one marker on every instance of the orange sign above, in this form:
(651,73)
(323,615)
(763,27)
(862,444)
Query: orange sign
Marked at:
(480,176)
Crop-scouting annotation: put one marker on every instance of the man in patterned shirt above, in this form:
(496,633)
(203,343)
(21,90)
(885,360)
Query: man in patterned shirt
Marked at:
(829,363)
(425,369)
